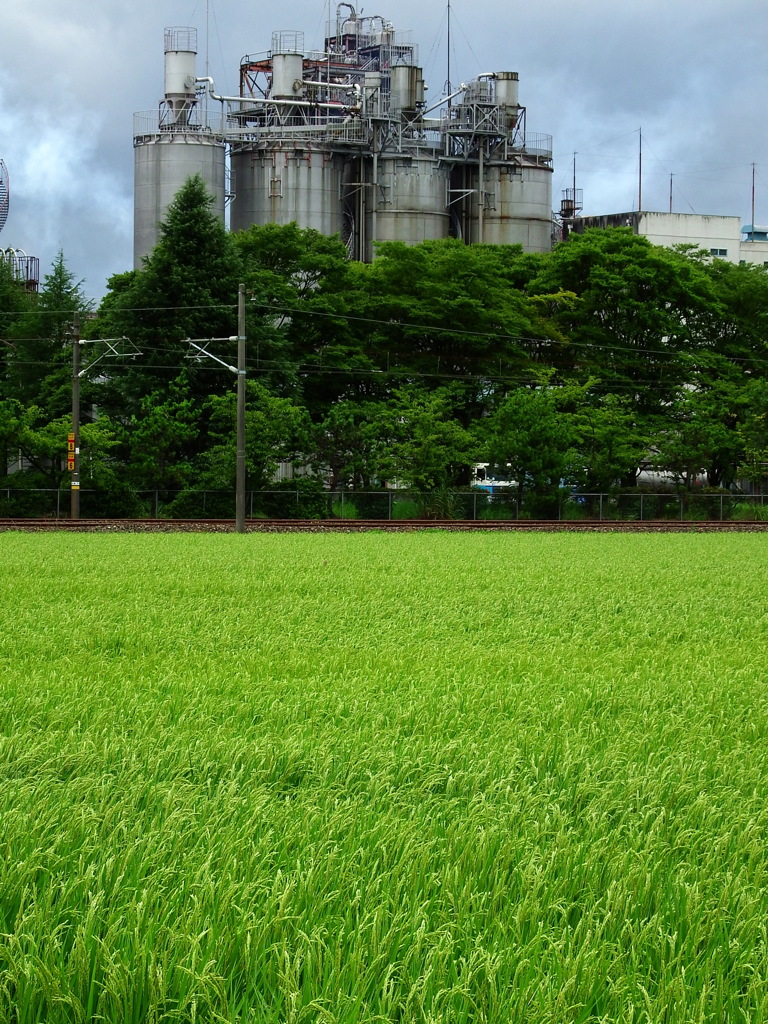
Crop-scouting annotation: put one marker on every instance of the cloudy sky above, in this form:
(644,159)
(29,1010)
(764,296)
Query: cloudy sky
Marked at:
(692,75)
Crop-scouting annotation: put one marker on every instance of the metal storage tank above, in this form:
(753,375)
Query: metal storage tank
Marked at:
(287,76)
(408,203)
(406,91)
(162,164)
(517,207)
(283,182)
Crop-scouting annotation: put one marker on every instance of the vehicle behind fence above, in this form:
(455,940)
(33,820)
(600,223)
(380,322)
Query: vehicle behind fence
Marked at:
(305,499)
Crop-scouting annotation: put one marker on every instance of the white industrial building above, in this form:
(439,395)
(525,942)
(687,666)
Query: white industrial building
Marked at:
(722,237)
(344,141)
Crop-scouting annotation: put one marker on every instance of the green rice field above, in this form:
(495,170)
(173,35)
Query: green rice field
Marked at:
(424,777)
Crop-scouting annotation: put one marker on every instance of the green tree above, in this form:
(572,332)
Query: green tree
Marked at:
(740,333)
(41,445)
(444,312)
(427,447)
(161,438)
(300,340)
(351,444)
(753,434)
(700,434)
(186,288)
(528,440)
(638,307)
(276,430)
(39,372)
(608,444)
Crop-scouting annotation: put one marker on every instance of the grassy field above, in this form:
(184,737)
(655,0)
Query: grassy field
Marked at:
(374,778)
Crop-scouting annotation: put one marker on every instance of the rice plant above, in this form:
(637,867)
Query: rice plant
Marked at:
(374,778)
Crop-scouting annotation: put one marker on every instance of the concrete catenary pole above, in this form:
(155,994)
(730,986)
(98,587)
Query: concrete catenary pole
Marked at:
(240,469)
(74,492)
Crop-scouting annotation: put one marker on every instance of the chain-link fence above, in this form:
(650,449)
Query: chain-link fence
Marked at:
(308,501)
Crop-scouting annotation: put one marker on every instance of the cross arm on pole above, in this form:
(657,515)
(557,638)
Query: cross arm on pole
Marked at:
(203,351)
(112,351)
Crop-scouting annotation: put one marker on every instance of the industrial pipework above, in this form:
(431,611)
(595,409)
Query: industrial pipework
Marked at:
(339,140)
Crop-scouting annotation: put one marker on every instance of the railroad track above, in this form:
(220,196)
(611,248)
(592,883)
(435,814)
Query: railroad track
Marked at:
(386,525)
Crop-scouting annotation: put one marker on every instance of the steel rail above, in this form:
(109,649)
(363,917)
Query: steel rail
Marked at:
(385,525)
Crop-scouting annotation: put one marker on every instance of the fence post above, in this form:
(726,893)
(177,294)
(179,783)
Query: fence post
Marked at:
(680,498)
(641,507)
(390,505)
(342,504)
(601,507)
(474,506)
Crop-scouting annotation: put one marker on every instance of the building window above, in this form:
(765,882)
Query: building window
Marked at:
(718,252)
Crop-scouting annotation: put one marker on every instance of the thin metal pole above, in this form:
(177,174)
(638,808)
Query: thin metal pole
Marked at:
(240,469)
(74,492)
(481,190)
(448,70)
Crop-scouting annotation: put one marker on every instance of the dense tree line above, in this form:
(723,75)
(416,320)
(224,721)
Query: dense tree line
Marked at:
(572,368)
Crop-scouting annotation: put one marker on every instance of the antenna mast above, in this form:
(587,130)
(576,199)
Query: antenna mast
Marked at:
(448,80)
(207,65)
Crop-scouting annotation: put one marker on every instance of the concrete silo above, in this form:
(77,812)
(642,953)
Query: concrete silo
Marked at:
(173,143)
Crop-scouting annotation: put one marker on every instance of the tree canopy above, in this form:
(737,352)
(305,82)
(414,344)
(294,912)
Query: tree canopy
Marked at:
(574,368)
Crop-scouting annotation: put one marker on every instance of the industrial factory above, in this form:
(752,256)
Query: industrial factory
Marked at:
(344,140)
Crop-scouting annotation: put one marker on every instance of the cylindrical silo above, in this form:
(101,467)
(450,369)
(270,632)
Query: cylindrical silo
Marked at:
(410,200)
(173,144)
(180,72)
(162,164)
(507,88)
(507,96)
(287,76)
(406,88)
(512,205)
(281,182)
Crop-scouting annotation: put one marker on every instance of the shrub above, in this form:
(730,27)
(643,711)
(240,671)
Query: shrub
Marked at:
(405,508)
(749,512)
(302,498)
(344,508)
(442,504)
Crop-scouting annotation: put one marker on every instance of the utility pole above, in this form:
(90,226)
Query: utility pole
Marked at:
(202,352)
(240,468)
(74,441)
